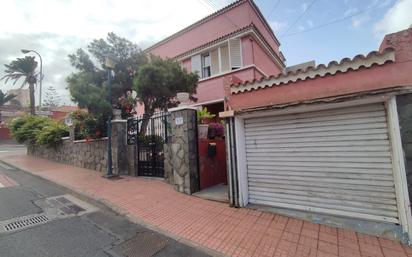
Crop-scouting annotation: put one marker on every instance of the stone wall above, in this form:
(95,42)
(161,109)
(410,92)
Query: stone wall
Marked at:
(404,104)
(93,154)
(89,155)
(181,158)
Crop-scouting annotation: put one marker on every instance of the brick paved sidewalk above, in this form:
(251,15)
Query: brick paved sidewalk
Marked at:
(233,232)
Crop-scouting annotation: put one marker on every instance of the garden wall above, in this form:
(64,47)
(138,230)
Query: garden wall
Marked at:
(90,154)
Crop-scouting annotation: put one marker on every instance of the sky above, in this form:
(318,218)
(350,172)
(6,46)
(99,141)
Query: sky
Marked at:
(320,30)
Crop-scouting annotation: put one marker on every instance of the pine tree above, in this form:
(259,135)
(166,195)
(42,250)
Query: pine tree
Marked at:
(51,99)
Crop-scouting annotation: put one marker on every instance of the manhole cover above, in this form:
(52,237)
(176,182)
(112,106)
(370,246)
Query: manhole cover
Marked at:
(25,222)
(145,244)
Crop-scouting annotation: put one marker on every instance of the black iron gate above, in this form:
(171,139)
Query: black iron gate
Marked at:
(149,134)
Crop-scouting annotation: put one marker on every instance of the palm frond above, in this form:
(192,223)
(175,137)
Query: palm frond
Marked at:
(20,68)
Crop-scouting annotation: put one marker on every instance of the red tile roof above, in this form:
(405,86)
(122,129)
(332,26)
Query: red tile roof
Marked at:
(345,65)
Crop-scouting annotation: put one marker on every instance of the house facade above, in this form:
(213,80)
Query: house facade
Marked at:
(329,143)
(234,42)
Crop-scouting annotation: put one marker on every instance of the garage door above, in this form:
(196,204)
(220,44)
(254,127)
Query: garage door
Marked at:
(335,162)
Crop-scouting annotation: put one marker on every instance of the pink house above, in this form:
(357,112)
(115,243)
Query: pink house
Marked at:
(327,143)
(235,42)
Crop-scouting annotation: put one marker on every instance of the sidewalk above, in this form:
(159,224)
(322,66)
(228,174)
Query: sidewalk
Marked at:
(230,231)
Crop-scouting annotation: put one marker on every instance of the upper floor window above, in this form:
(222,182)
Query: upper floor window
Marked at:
(221,59)
(206,70)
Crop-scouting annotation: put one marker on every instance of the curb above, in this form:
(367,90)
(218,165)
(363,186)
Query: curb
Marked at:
(126,214)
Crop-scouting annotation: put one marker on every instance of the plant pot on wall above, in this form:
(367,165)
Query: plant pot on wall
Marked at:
(202,130)
(117,113)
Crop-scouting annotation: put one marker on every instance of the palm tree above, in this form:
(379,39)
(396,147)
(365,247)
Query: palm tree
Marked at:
(23,68)
(4,98)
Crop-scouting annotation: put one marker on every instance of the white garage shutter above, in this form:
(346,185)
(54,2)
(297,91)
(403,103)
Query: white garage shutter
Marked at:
(333,162)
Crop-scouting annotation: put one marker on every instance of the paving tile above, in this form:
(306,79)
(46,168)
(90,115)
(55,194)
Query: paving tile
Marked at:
(326,247)
(370,250)
(387,252)
(348,252)
(233,232)
(308,241)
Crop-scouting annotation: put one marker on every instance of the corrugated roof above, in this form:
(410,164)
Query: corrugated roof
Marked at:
(345,65)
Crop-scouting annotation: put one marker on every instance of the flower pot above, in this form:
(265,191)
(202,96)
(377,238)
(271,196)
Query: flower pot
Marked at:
(117,114)
(202,130)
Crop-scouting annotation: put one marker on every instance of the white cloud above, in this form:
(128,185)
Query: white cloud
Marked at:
(359,20)
(277,25)
(396,18)
(304,6)
(310,23)
(56,28)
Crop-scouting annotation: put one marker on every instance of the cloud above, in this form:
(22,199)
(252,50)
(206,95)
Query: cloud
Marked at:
(277,26)
(396,18)
(359,20)
(310,23)
(57,28)
(304,6)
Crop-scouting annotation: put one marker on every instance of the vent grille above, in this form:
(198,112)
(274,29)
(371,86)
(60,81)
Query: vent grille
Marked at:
(23,223)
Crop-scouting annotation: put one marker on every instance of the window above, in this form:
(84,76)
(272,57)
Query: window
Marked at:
(206,65)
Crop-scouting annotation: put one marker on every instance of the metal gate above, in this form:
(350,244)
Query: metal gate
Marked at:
(150,137)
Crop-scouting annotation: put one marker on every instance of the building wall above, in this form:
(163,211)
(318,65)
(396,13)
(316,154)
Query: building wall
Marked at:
(389,75)
(212,89)
(22,95)
(253,53)
(242,15)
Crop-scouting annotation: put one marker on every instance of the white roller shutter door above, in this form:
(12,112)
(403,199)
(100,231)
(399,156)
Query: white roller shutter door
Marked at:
(333,162)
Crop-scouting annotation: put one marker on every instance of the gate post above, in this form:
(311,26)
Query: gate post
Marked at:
(181,156)
(120,148)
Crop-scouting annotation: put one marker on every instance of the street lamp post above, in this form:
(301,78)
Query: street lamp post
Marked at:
(110,67)
(26,51)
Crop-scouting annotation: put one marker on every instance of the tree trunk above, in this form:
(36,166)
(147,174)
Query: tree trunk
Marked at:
(32,106)
(145,122)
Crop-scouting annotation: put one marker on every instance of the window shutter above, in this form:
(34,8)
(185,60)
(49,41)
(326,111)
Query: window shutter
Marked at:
(235,53)
(214,57)
(196,64)
(224,58)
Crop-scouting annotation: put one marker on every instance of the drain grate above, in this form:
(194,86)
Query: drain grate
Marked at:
(27,222)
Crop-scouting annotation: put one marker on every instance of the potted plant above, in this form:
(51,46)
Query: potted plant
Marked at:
(203,116)
(216,130)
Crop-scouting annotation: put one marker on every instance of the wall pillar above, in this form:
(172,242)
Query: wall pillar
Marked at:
(120,150)
(181,155)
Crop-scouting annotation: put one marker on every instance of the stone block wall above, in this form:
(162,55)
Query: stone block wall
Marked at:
(181,157)
(93,154)
(89,155)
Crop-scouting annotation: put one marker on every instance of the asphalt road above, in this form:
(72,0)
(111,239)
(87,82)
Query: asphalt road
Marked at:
(99,233)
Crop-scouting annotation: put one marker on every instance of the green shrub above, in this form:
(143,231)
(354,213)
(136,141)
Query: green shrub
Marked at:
(40,130)
(25,129)
(51,135)
(86,126)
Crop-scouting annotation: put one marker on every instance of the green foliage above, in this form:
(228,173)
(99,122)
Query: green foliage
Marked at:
(88,86)
(4,98)
(147,139)
(204,114)
(51,135)
(31,129)
(23,68)
(158,82)
(51,98)
(86,126)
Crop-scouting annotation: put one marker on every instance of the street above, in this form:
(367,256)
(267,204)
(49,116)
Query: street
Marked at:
(39,218)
